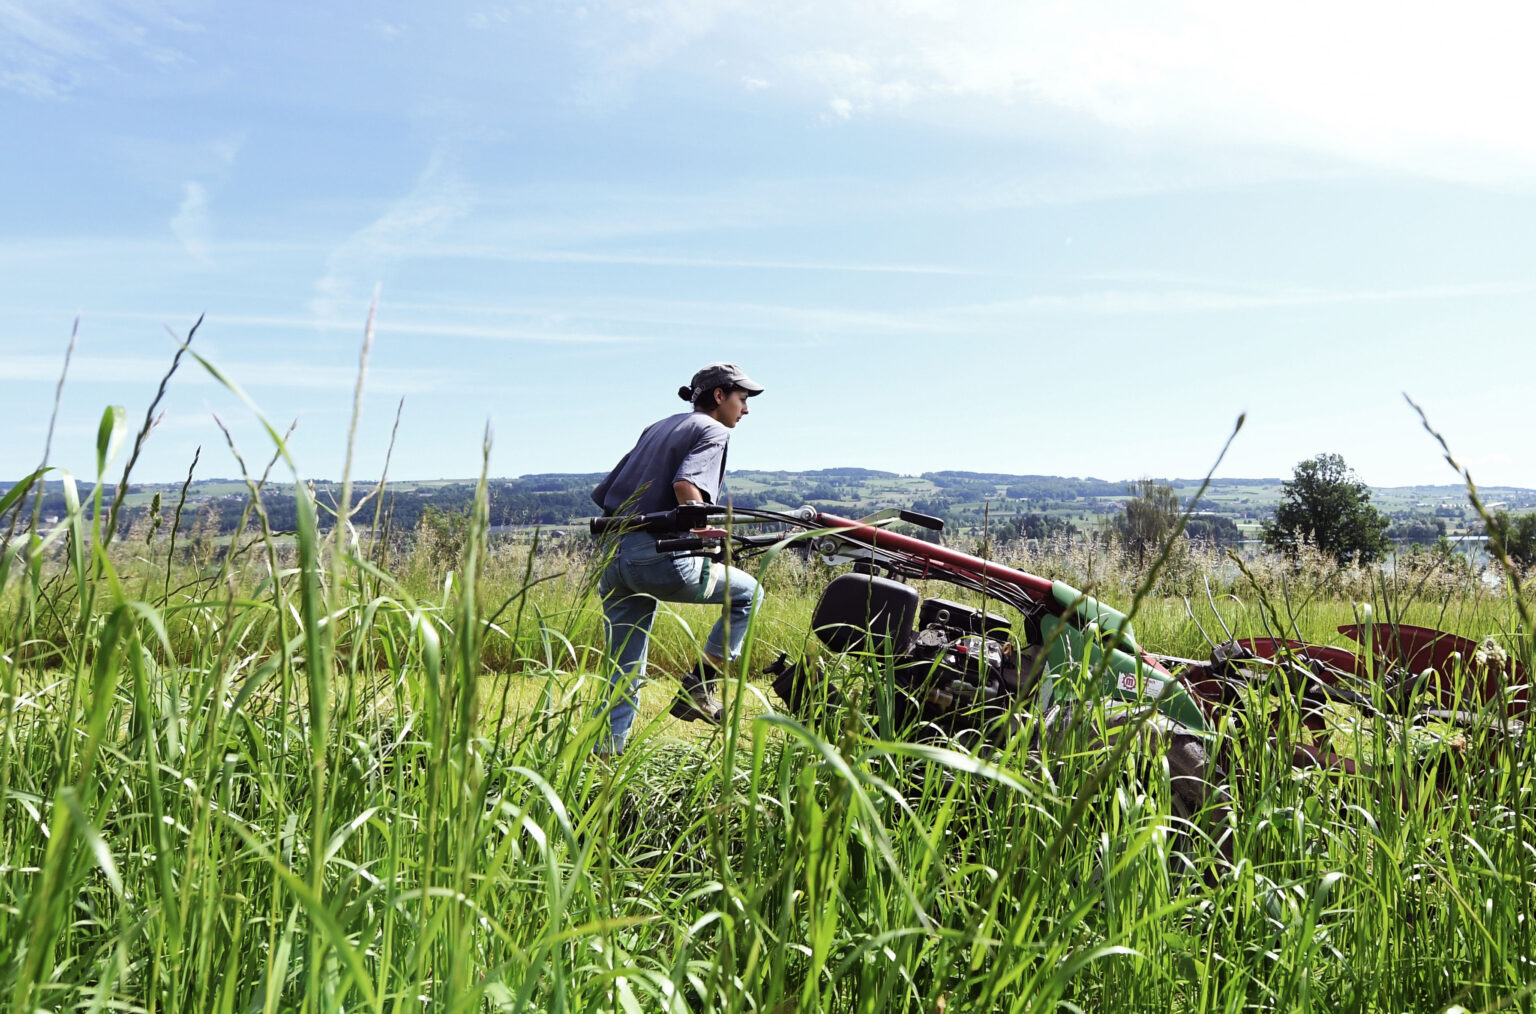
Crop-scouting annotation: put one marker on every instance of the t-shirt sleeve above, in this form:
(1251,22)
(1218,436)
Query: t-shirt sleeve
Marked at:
(705,461)
(600,494)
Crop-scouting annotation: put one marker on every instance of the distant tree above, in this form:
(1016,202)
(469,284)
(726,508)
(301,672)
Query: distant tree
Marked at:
(441,536)
(1418,529)
(1149,518)
(749,501)
(1216,531)
(1515,536)
(1326,503)
(937,506)
(822,491)
(1037,527)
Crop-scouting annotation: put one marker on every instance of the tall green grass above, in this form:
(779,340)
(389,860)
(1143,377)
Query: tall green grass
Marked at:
(320,783)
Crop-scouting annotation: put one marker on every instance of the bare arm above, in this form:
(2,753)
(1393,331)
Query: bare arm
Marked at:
(685,491)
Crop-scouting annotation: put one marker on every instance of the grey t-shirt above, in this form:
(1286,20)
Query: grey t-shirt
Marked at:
(689,445)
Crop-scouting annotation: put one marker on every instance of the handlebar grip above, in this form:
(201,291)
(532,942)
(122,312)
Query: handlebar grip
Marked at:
(661,521)
(680,519)
(686,544)
(927,521)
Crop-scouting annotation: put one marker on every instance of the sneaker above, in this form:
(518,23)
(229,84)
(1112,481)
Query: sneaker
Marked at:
(695,701)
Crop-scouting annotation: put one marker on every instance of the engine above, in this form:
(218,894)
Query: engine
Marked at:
(955,665)
(960,659)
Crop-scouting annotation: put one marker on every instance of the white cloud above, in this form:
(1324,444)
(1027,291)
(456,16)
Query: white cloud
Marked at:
(190,223)
(207,162)
(1419,87)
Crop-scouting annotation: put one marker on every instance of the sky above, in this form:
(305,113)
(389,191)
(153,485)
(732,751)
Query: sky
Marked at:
(1076,239)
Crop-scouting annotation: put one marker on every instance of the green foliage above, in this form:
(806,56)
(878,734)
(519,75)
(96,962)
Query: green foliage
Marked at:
(1326,504)
(1149,518)
(1515,537)
(440,537)
(1214,531)
(439,839)
(1032,528)
(292,780)
(1437,569)
(1417,528)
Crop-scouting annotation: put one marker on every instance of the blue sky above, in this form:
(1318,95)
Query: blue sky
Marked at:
(1033,238)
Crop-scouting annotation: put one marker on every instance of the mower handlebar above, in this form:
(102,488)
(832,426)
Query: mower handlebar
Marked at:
(679,519)
(685,544)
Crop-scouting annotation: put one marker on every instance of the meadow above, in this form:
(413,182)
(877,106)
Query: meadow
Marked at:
(321,774)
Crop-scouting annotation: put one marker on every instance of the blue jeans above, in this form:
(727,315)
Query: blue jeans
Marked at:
(637,579)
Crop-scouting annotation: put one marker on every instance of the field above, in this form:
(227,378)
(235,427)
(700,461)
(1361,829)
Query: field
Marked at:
(320,776)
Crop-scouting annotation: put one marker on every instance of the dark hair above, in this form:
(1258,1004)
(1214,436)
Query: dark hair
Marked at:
(704,401)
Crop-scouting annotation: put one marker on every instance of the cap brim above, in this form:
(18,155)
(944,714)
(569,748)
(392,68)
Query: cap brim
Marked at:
(750,386)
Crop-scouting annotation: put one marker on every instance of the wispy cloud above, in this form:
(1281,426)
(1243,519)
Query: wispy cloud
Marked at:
(109,249)
(438,200)
(489,17)
(601,222)
(190,223)
(49,47)
(475,324)
(697,261)
(1414,87)
(253,374)
(612,321)
(1177,299)
(155,157)
(387,325)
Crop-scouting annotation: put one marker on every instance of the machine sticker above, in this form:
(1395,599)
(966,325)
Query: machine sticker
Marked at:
(1152,687)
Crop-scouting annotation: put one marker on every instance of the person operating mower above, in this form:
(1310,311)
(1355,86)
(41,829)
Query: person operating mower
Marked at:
(677,461)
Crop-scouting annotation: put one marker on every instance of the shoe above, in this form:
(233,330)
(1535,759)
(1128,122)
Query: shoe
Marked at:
(695,701)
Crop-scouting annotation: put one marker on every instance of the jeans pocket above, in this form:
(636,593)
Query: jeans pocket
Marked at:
(668,578)
(611,581)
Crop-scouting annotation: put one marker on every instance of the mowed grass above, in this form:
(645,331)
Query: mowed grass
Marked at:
(326,781)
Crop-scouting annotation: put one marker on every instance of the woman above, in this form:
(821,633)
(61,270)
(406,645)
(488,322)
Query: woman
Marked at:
(679,460)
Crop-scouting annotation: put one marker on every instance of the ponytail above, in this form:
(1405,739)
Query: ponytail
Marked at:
(703,400)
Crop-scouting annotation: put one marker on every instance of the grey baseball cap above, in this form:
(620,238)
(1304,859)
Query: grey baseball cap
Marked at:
(724,375)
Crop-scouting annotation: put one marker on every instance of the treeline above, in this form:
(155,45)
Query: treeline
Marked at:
(1216,531)
(969,485)
(986,485)
(546,500)
(559,500)
(849,473)
(1032,528)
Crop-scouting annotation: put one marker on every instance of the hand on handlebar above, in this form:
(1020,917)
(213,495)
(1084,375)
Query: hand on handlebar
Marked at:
(686,544)
(695,514)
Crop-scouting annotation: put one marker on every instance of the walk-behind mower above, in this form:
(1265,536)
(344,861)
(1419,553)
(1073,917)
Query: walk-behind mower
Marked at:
(964,675)
(957,673)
